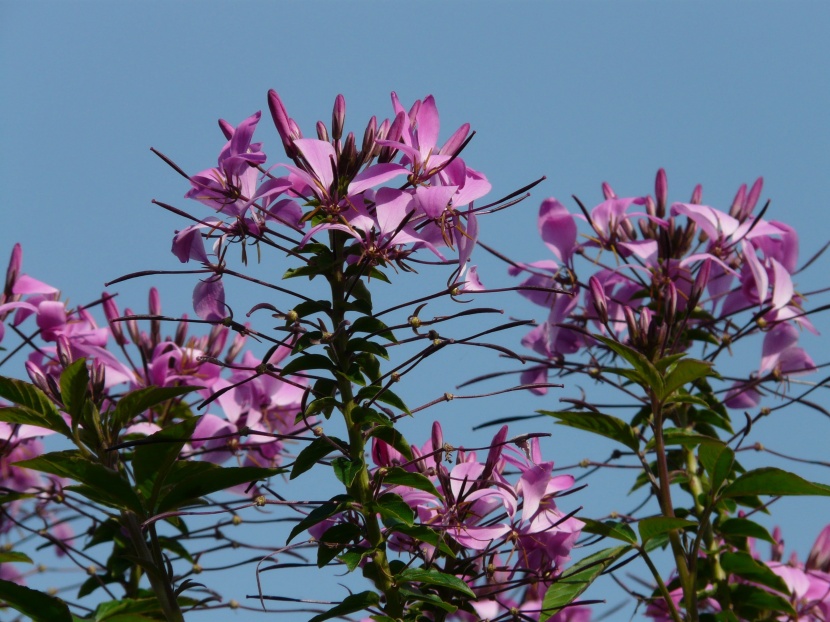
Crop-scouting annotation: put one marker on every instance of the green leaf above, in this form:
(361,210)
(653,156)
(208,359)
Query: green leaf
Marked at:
(331,507)
(375,393)
(106,485)
(369,365)
(373,326)
(651,376)
(310,307)
(334,540)
(154,458)
(35,403)
(749,598)
(684,372)
(610,529)
(658,525)
(774,482)
(315,451)
(577,578)
(38,606)
(393,510)
(358,344)
(346,470)
(322,405)
(351,604)
(116,609)
(14,556)
(430,599)
(74,384)
(717,460)
(393,438)
(597,423)
(684,437)
(435,577)
(423,533)
(192,488)
(742,528)
(401,477)
(136,402)
(308,361)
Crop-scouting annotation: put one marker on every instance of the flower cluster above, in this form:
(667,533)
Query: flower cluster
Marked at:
(661,277)
(333,183)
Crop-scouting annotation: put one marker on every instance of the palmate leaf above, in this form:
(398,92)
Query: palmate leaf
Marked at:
(577,578)
(38,606)
(97,481)
(351,604)
(435,577)
(35,407)
(136,402)
(188,490)
(598,423)
(773,482)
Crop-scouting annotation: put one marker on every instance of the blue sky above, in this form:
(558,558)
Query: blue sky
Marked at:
(717,93)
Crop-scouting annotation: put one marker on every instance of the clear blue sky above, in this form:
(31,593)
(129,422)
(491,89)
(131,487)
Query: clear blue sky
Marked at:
(583,92)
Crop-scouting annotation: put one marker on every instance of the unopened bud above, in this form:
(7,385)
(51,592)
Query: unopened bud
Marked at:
(670,302)
(738,202)
(64,350)
(608,191)
(181,331)
(227,129)
(112,314)
(217,339)
(132,327)
(13,271)
(338,117)
(599,299)
(697,195)
(631,322)
(322,132)
(282,123)
(155,309)
(38,378)
(777,552)
(393,135)
(368,147)
(701,281)
(645,320)
(661,191)
(97,379)
(752,198)
(348,159)
(237,344)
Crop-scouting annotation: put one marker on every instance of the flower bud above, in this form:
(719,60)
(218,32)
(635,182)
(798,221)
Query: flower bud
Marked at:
(631,322)
(777,552)
(155,309)
(216,340)
(819,558)
(645,321)
(738,202)
(64,350)
(437,442)
(282,123)
(338,117)
(322,132)
(227,129)
(697,195)
(97,379)
(701,281)
(112,314)
(599,299)
(608,191)
(181,332)
(752,198)
(13,271)
(393,135)
(670,304)
(237,344)
(661,192)
(132,327)
(38,378)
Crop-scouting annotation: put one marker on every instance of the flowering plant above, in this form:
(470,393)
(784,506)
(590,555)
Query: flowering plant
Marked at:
(172,438)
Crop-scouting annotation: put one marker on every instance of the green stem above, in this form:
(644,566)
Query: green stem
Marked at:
(675,614)
(687,580)
(153,564)
(361,487)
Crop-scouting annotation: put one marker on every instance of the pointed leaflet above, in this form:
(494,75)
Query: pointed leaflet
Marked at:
(659,525)
(36,605)
(99,483)
(682,373)
(154,458)
(351,604)
(577,578)
(604,425)
(401,477)
(315,451)
(435,577)
(336,504)
(650,375)
(136,402)
(742,528)
(610,529)
(773,482)
(189,490)
(75,388)
(34,404)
